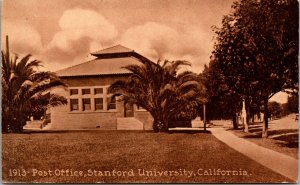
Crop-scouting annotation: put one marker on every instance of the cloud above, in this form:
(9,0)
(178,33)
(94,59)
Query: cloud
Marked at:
(78,23)
(155,40)
(23,38)
(82,31)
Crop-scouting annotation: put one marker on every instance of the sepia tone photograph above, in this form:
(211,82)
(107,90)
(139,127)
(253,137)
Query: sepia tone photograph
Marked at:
(150,91)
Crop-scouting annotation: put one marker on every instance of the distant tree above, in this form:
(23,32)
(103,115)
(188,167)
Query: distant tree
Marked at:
(222,102)
(275,109)
(285,110)
(25,90)
(293,103)
(257,50)
(162,91)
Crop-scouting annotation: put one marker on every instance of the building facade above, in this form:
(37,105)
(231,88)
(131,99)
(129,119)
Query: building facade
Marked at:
(90,106)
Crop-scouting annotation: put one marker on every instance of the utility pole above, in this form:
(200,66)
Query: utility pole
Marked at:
(204,116)
(7,49)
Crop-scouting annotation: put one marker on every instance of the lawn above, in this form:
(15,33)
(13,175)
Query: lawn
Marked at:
(283,135)
(184,157)
(283,143)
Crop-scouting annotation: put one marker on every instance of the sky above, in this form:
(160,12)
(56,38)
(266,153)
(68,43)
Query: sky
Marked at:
(62,33)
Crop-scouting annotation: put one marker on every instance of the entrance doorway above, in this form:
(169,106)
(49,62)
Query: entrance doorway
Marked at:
(128,107)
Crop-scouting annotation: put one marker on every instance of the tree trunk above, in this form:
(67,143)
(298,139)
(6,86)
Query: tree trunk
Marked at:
(17,126)
(5,122)
(246,128)
(155,126)
(160,126)
(165,127)
(4,126)
(248,113)
(237,119)
(258,116)
(234,122)
(266,121)
(244,117)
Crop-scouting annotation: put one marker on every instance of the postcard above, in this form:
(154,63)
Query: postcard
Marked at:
(150,91)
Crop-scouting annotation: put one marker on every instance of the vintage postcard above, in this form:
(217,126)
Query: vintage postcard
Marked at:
(150,91)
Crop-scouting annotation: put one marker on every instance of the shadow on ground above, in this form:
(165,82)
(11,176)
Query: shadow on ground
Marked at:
(74,131)
(291,140)
(135,131)
(286,137)
(190,131)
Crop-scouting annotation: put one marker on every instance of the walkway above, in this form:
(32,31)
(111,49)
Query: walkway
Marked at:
(280,163)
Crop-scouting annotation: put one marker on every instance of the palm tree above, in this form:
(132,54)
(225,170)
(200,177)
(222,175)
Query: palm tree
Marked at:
(162,91)
(25,90)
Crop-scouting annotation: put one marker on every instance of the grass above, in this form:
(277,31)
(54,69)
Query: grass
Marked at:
(125,151)
(284,141)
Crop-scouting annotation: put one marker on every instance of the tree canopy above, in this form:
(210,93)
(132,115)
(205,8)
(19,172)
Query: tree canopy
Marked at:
(256,50)
(293,104)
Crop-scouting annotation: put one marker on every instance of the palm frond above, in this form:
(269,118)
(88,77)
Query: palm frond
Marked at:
(39,88)
(43,75)
(21,64)
(188,85)
(32,64)
(56,100)
(173,67)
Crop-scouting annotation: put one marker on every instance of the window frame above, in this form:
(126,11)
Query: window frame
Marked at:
(85,89)
(71,104)
(96,98)
(93,93)
(83,104)
(98,88)
(74,94)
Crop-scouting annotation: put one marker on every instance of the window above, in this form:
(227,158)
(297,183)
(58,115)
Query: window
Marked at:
(98,103)
(74,104)
(111,103)
(73,91)
(86,102)
(98,91)
(86,91)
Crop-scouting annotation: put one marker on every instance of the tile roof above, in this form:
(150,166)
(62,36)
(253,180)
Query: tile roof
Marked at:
(111,50)
(100,66)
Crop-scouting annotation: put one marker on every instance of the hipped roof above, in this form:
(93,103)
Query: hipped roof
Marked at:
(112,50)
(109,61)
